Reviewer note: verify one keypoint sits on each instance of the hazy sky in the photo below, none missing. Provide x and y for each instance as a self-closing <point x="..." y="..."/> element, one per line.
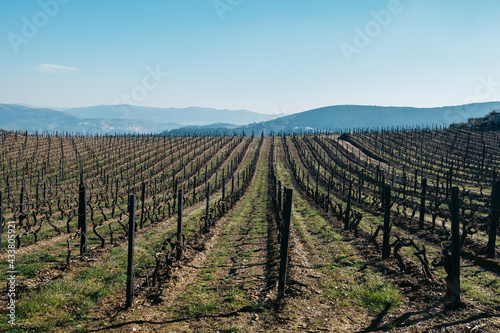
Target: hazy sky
<point x="266" y="56"/>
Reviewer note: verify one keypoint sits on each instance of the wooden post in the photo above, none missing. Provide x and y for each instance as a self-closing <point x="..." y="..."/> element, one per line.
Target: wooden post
<point x="194" y="190"/>
<point x="180" y="206"/>
<point x="130" y="263"/>
<point x="381" y="187"/>
<point x="82" y="218"/>
<point x="175" y="197"/>
<point x="207" y="206"/>
<point x="143" y="199"/>
<point x="287" y="213"/>
<point x="348" y="208"/>
<point x="422" y="204"/>
<point x="317" y="186"/>
<point x="328" y="194"/>
<point x="21" y="207"/>
<point x="37" y="197"/>
<point x="386" y="250"/>
<point x="454" y="282"/>
<point x="223" y="186"/>
<point x="279" y="198"/>
<point x="232" y="184"/>
<point x="307" y="188"/>
<point x="495" y="213"/>
<point x="360" y="188"/>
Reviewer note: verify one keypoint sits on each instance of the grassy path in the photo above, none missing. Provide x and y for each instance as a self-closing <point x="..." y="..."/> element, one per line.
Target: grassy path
<point x="420" y="306"/>
<point x="220" y="287"/>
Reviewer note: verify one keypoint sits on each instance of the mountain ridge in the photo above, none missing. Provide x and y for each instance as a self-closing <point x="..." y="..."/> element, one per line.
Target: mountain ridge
<point x="133" y="119"/>
<point x="341" y="117"/>
<point x="190" y="116"/>
<point x="118" y="118"/>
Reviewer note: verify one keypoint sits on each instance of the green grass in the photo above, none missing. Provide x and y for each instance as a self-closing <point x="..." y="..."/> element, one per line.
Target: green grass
<point x="64" y="301"/>
<point x="343" y="281"/>
<point x="366" y="290"/>
<point x="205" y="295"/>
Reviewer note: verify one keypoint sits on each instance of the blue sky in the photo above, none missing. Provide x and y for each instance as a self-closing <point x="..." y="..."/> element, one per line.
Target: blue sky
<point x="266" y="56"/>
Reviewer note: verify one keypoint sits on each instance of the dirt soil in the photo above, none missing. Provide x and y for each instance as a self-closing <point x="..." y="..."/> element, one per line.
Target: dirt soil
<point x="227" y="282"/>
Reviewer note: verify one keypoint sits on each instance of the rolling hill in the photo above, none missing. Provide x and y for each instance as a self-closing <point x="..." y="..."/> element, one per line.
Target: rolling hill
<point x="192" y="116"/>
<point x="359" y="116"/>
<point x="18" y="117"/>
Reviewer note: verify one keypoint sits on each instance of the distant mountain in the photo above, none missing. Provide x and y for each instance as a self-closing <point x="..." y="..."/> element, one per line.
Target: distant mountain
<point x="186" y="116"/>
<point x="134" y="119"/>
<point x="42" y="107"/>
<point x="358" y="116"/>
<point x="18" y="117"/>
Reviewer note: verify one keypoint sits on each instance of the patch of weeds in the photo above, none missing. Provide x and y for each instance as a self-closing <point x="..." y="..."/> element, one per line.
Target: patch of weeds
<point x="199" y="306"/>
<point x="375" y="294"/>
<point x="236" y="298"/>
<point x="478" y="288"/>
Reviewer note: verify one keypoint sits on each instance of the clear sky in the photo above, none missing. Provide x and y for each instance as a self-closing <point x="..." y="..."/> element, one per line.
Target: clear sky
<point x="265" y="56"/>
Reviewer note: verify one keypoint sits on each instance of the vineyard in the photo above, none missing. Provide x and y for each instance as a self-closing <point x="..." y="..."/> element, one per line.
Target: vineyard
<point x="363" y="231"/>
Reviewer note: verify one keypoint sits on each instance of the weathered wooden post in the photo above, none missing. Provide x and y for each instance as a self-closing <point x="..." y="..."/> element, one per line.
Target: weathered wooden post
<point x="175" y="197"/>
<point x="223" y="186"/>
<point x="232" y="184"/>
<point x="207" y="206"/>
<point x="495" y="214"/>
<point x="37" y="197"/>
<point x="348" y="208"/>
<point x="307" y="188"/>
<point x="143" y="199"/>
<point x="360" y="186"/>
<point x="194" y="190"/>
<point x="287" y="213"/>
<point x="180" y="206"/>
<point x="386" y="249"/>
<point x="422" y="204"/>
<point x="279" y="198"/>
<point x="317" y="186"/>
<point x="131" y="237"/>
<point x="454" y="282"/>
<point x="328" y="194"/>
<point x="21" y="207"/>
<point x="381" y="187"/>
<point x="82" y="217"/>
<point x="449" y="176"/>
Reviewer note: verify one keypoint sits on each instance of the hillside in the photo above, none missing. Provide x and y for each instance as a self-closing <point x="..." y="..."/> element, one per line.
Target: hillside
<point x="18" y="117"/>
<point x="358" y="116"/>
<point x="244" y="209"/>
<point x="122" y="118"/>
<point x="183" y="116"/>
